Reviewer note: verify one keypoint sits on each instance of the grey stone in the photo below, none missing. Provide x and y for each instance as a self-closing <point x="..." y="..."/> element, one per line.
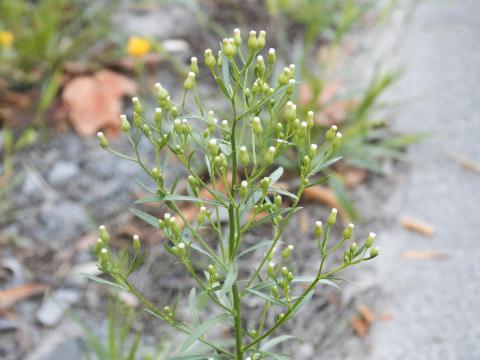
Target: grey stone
<point x="62" y="173"/>
<point x="67" y="349"/>
<point x="60" y="222"/>
<point x="53" y="308"/>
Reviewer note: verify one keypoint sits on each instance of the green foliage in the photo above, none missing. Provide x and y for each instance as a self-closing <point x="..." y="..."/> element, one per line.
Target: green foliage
<point x="239" y="152"/>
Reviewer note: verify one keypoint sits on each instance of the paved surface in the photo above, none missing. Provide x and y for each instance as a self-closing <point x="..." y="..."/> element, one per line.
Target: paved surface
<point x="435" y="304"/>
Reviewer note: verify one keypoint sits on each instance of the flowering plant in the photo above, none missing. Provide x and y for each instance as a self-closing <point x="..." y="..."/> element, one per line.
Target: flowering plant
<point x="238" y="152"/>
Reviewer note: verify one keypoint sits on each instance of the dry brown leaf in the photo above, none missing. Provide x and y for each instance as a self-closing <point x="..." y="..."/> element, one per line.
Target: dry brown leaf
<point x="417" y="226"/>
<point x="95" y="102"/>
<point x="10" y="297"/>
<point x="353" y="177"/>
<point x="467" y="163"/>
<point x="360" y="326"/>
<point x="424" y="255"/>
<point x="366" y="314"/>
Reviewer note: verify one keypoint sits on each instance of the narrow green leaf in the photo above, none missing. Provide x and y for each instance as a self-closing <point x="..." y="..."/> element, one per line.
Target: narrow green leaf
<point x="152" y="220"/>
<point x="99" y="280"/>
<point x="197" y="357"/>
<point x="226" y="74"/>
<point x="277" y="340"/>
<point x="255" y="247"/>
<point x="277" y="174"/>
<point x="202" y="329"/>
<point x="322" y="165"/>
<point x="266" y="297"/>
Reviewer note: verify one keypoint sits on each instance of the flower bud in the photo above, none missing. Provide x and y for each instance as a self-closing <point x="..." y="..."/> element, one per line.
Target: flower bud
<point x="312" y="151"/>
<point x="103" y="257"/>
<point x="243" y="189"/>
<point x="256" y="125"/>
<point x="278" y="200"/>
<point x="194" y="65"/>
<point x="310" y="119"/>
<point x="353" y="249"/>
<point x="190" y="81"/>
<point x="330" y="134"/>
<point x="290" y="111"/>
<point x="102" y="140"/>
<point x="374" y="252"/>
<point x="137" y="107"/>
<point x="272" y="57"/>
<point x="332" y="217"/>
<point x="146" y="130"/>
<point x="284" y="271"/>
<point x="306" y="161"/>
<point x="287" y="252"/>
<point x="264" y="184"/>
<point x="213" y="147"/>
<point x="156" y="175"/>
<point x="275" y="292"/>
<point x="202" y="214"/>
<point x="260" y="67"/>
<point x="219" y="58"/>
<point x="370" y="240"/>
<point x="177" y="126"/>
<point x="137" y="120"/>
<point x="281" y="316"/>
<point x="347" y="233"/>
<point x="318" y="229"/>
<point x="271" y="267"/>
<point x="270" y="155"/>
<point x="252" y="40"/>
<point x="261" y="40"/>
<point x="161" y="92"/>
<point x="229" y="48"/>
<point x="336" y="142"/>
<point x="244" y="157"/>
<point x="209" y="59"/>
<point x="285" y="76"/>
<point x="158" y="117"/>
<point x="136" y="243"/>
<point x="98" y="246"/>
<point x="291" y="87"/>
<point x="237" y="37"/>
<point x="181" y="250"/>
<point x="125" y="125"/>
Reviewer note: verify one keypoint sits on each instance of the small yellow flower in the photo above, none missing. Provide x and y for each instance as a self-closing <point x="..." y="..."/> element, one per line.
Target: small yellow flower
<point x="138" y="46"/>
<point x="6" y="39"/>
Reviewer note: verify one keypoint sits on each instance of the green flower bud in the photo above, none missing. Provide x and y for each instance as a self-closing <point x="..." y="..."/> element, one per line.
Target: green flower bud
<point x="137" y="107"/>
<point x="209" y="59"/>
<point x="261" y="40"/>
<point x="252" y="40"/>
<point x="312" y="151"/>
<point x="264" y="184"/>
<point x="124" y="124"/>
<point x="244" y="189"/>
<point x="219" y="58"/>
<point x="136" y="244"/>
<point x="285" y="76"/>
<point x="202" y="215"/>
<point x="330" y="134"/>
<point x="102" y="140"/>
<point x="284" y="271"/>
<point x="213" y="147"/>
<point x="306" y="161"/>
<point x="255" y="88"/>
<point x="353" y="249"/>
<point x="244" y="157"/>
<point x="290" y="276"/>
<point x="287" y="252"/>
<point x="275" y="292"/>
<point x="271" y="268"/>
<point x="237" y="37"/>
<point x="348" y="232"/>
<point x="291" y="87"/>
<point x="374" y="252"/>
<point x="158" y="117"/>
<point x="346" y="257"/>
<point x="229" y="48"/>
<point x="278" y="200"/>
<point x="332" y="217"/>
<point x="256" y="125"/>
<point x="336" y="142"/>
<point x="270" y="155"/>
<point x="190" y="81"/>
<point x="370" y="240"/>
<point x="290" y="111"/>
<point x="310" y="119"/>
<point x="272" y="57"/>
<point x="186" y="129"/>
<point x="103" y="257"/>
<point x="260" y="67"/>
<point x="146" y="130"/>
<point x="303" y="129"/>
<point x="161" y="92"/>
<point x="157" y="175"/>
<point x="277" y="219"/>
<point x="318" y="229"/>
<point x="98" y="246"/>
<point x="281" y="316"/>
<point x="194" y="65"/>
<point x="177" y="126"/>
<point x="137" y="120"/>
<point x="265" y="87"/>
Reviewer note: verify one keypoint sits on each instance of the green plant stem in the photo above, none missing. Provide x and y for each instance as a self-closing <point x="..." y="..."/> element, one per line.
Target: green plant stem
<point x="237" y="322"/>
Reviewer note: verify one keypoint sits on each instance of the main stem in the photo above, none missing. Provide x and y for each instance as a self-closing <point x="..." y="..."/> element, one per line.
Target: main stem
<point x="233" y="240"/>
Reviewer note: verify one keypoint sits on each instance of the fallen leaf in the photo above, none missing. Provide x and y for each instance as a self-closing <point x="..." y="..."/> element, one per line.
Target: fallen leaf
<point x="321" y="194"/>
<point x="353" y="177"/>
<point x="366" y="313"/>
<point x="417" y="226"/>
<point x="12" y="296"/>
<point x="95" y="102"/>
<point x="360" y="326"/>
<point x="424" y="255"/>
<point x="467" y="163"/>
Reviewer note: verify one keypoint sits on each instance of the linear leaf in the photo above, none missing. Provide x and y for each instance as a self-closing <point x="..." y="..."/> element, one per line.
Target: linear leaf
<point x="276" y="340"/>
<point x="202" y="329"/>
<point x="322" y="165"/>
<point x="149" y="219"/>
<point x="266" y="297"/>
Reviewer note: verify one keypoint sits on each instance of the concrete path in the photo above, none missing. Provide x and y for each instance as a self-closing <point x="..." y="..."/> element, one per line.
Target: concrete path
<point x="435" y="303"/>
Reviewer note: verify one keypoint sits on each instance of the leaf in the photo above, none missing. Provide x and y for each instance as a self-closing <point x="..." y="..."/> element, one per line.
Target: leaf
<point x="282" y="192"/>
<point x="323" y="165"/>
<point x="152" y="220"/>
<point x="202" y="329"/>
<point x="10" y="297"/>
<point x="306" y="299"/>
<point x="214" y="259"/>
<point x="417" y="226"/>
<point x="318" y="181"/>
<point x="266" y="297"/>
<point x="99" y="280"/>
<point x="174" y="197"/>
<point x="276" y="340"/>
<point x="95" y="102"/>
<point x="226" y="74"/>
<point x="197" y="357"/>
<point x="192" y="305"/>
<point x="277" y="174"/>
<point x="255" y="247"/>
